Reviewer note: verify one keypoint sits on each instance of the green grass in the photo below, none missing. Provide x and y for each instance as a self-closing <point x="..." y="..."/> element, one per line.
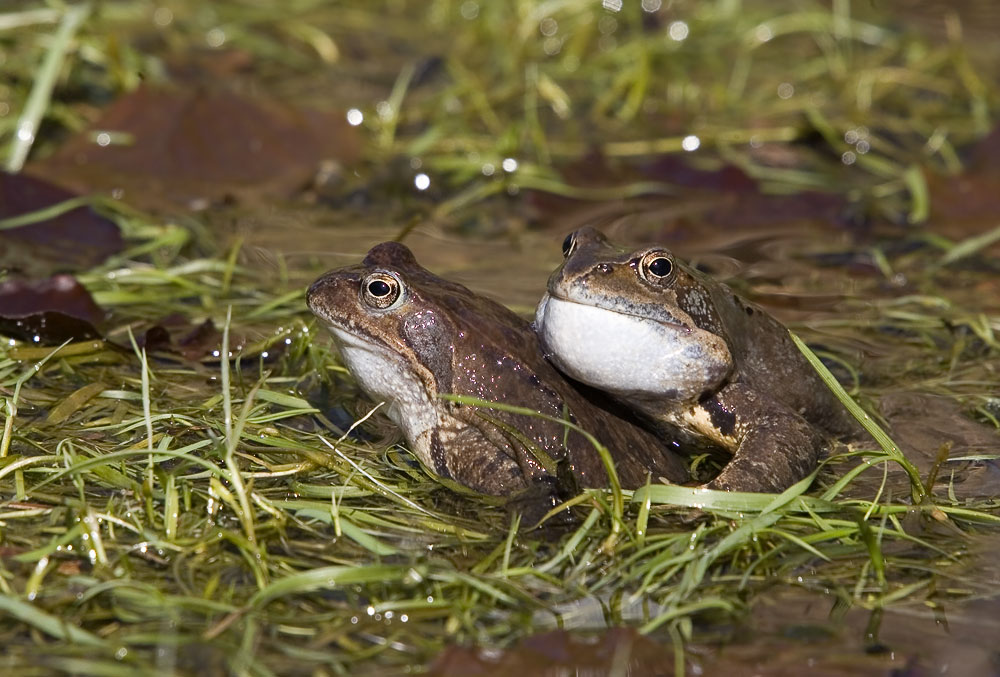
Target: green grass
<point x="195" y="504"/>
<point x="207" y="516"/>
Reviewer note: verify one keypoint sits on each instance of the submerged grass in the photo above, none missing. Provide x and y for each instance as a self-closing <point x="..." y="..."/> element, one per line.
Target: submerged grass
<point x="207" y="516"/>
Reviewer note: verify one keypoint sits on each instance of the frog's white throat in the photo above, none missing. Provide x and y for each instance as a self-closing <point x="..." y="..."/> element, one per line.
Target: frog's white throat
<point x="625" y="354"/>
<point x="386" y="376"/>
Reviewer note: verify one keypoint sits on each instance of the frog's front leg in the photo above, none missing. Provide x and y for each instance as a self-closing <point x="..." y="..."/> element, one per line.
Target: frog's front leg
<point x="773" y="446"/>
<point x="464" y="454"/>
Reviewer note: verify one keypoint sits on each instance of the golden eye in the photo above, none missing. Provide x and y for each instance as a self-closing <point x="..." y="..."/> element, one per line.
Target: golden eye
<point x="569" y="244"/>
<point x="381" y="290"/>
<point x="656" y="266"/>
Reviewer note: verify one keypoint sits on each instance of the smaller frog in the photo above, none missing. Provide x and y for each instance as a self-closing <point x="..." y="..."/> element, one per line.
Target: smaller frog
<point x="409" y="336"/>
<point x="684" y="351"/>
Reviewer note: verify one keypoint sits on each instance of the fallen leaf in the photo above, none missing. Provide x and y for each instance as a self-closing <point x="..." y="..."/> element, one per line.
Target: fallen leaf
<point x="699" y="201"/>
<point x="76" y="239"/>
<point x="158" y="148"/>
<point x="49" y="311"/>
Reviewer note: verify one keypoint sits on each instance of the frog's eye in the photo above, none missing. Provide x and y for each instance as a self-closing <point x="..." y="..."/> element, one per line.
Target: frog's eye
<point x="568" y="245"/>
<point x="381" y="290"/>
<point x="656" y="266"/>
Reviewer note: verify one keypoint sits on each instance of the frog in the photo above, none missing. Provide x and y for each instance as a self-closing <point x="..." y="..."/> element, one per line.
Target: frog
<point x="418" y="343"/>
<point x="694" y="359"/>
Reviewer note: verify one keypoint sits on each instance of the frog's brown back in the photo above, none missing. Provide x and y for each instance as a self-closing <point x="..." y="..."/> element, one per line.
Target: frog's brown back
<point x="497" y="357"/>
<point x="767" y="360"/>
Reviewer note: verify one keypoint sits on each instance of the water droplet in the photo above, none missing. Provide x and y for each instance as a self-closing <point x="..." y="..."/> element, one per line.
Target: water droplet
<point x="162" y="17"/>
<point x="678" y="30"/>
<point x="469" y="10"/>
<point x="690" y="143"/>
<point x="215" y="37"/>
<point x="26" y="131"/>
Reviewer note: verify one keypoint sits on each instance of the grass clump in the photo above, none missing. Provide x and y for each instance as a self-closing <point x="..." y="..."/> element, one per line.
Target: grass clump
<point x="205" y="515"/>
<point x="172" y="515"/>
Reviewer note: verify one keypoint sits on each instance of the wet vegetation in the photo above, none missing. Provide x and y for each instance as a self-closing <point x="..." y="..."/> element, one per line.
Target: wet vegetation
<point x="163" y="508"/>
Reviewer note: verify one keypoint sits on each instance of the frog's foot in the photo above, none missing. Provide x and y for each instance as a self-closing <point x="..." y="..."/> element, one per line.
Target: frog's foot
<point x="779" y="449"/>
<point x="464" y="454"/>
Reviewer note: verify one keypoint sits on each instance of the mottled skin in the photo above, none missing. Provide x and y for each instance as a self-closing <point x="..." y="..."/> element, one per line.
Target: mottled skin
<point x="738" y="382"/>
<point x="408" y="336"/>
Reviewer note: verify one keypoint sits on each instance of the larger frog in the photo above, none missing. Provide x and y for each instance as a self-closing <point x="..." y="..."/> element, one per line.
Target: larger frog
<point x="409" y="336"/>
<point x="686" y="352"/>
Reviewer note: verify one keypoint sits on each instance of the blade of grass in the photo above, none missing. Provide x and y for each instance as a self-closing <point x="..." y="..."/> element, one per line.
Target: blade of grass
<point x="46" y="213"/>
<point x="44" y="82"/>
<point x="53" y="626"/>
<point x="869" y="424"/>
<point x="970" y="246"/>
<point x="329" y="578"/>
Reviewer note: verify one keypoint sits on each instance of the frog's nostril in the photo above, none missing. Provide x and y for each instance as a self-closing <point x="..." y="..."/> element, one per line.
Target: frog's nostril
<point x="604" y="268"/>
<point x="314" y="289"/>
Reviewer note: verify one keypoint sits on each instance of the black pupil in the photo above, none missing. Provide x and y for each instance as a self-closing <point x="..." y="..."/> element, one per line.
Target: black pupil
<point x="379" y="288"/>
<point x="660" y="267"/>
<point x="567" y="244"/>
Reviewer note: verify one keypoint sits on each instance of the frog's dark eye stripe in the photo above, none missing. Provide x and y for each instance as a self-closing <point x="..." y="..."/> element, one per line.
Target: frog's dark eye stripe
<point x="569" y="244"/>
<point x="381" y="290"/>
<point x="656" y="266"/>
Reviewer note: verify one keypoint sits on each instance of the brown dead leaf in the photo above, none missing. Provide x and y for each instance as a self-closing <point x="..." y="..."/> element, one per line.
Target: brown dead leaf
<point x="168" y="147"/>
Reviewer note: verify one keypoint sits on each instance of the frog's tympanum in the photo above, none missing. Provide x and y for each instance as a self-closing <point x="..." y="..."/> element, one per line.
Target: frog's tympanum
<point x="686" y="352"/>
<point x="409" y="336"/>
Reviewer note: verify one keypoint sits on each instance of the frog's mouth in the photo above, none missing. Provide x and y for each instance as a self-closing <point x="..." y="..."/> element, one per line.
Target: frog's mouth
<point x="620" y="308"/>
<point x="386" y="375"/>
<point x="350" y="337"/>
